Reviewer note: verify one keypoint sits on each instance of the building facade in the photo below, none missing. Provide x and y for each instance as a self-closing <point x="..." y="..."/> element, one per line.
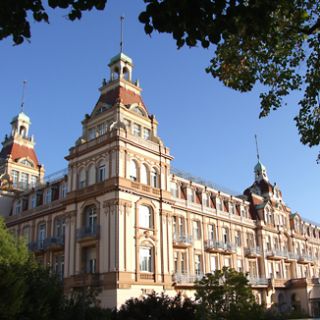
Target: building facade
<point x="122" y="220"/>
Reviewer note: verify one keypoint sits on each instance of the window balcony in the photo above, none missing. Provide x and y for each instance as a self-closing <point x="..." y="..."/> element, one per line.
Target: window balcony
<point x="276" y="254"/>
<point x="182" y="240"/>
<point x="304" y="258"/>
<point x="220" y="246"/>
<point x="54" y="243"/>
<point x="36" y="246"/>
<point x="187" y="278"/>
<point x="252" y="252"/>
<point x="292" y="256"/>
<point x="86" y="280"/>
<point x="258" y="282"/>
<point x="88" y="233"/>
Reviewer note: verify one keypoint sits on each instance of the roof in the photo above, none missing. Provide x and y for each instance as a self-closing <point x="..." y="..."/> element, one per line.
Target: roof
<point x="120" y="56"/>
<point x="123" y="95"/>
<point x="18" y="151"/>
<point x="21" y="116"/>
<point x="259" y="167"/>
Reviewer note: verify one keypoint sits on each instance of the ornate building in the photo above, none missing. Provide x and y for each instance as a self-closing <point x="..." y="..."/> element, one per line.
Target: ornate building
<point x="121" y="219"/>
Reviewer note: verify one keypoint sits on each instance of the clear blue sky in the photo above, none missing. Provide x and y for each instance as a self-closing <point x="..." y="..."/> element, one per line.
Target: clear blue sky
<point x="210" y="129"/>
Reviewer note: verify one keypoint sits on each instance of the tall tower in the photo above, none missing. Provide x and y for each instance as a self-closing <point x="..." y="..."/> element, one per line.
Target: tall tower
<point x="19" y="165"/>
<point x="119" y="196"/>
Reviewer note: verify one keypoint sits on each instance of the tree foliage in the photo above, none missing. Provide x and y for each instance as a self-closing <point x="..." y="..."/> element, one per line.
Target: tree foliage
<point x="157" y="307"/>
<point x="14" y="14"/>
<point x="226" y="294"/>
<point x="275" y="43"/>
<point x="12" y="249"/>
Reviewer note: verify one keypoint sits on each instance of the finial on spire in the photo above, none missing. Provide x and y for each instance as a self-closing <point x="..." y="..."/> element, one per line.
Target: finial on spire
<point x="24" y="82"/>
<point x="258" y="155"/>
<point x="121" y="33"/>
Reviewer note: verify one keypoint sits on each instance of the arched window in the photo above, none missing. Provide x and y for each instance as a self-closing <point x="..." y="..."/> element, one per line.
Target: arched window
<point x="146" y="259"/>
<point x="23" y="131"/>
<point x="145" y="217"/>
<point x="82" y="178"/>
<point x="91" y="175"/>
<point x="144" y="174"/>
<point x="154" y="178"/>
<point x="126" y="74"/>
<point x="133" y="170"/>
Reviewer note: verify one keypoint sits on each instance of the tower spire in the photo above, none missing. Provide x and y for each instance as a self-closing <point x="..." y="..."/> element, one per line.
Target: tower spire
<point x="24" y="82"/>
<point x="121" y="33"/>
<point x="257" y="148"/>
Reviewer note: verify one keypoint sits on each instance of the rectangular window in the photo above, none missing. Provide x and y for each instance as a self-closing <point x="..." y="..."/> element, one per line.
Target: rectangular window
<point x="91" y="134"/>
<point x="146" y="259"/>
<point x="213" y="264"/>
<point x="15" y="178"/>
<point x="181" y="227"/>
<point x="183" y="262"/>
<point x="219" y="204"/>
<point x="231" y="208"/>
<point x="145" y="218"/>
<point x="92" y="265"/>
<point x="225" y="235"/>
<point x="146" y="134"/>
<point x="63" y="190"/>
<point x="175" y="261"/>
<point x="18" y="207"/>
<point x="24" y="177"/>
<point x="205" y="200"/>
<point x="197" y="230"/>
<point x="253" y="269"/>
<point x="238" y="238"/>
<point x="211" y="233"/>
<point x="136" y="130"/>
<point x="227" y="262"/>
<point x="197" y="264"/>
<point x="41" y="235"/>
<point x="33" y="181"/>
<point x="174" y="190"/>
<point x="33" y="201"/>
<point x="48" y="196"/>
<point x="101" y="129"/>
<point x="190" y="195"/>
<point x="239" y="265"/>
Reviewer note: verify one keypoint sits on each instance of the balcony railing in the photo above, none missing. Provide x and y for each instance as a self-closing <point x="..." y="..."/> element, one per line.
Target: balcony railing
<point x="276" y="253"/>
<point x="54" y="242"/>
<point x="305" y="258"/>
<point x="252" y="252"/>
<point x="185" y="239"/>
<point x="256" y="281"/>
<point x="36" y="245"/>
<point x="187" y="277"/>
<point x="88" y="232"/>
<point x="219" y="245"/>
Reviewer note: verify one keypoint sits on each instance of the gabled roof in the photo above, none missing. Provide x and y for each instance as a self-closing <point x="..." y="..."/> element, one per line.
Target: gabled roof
<point x="18" y="151"/>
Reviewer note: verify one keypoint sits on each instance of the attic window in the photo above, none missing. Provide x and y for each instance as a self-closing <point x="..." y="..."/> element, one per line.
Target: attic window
<point x="139" y="111"/>
<point x="27" y="163"/>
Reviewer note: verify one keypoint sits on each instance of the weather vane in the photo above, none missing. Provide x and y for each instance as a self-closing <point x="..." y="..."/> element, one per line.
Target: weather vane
<point x="256" y="138"/>
<point x="24" y="82"/>
<point x="121" y="33"/>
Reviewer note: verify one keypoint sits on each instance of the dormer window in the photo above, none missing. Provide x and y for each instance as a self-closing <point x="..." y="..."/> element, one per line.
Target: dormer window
<point x="139" y="111"/>
<point x="27" y="163"/>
